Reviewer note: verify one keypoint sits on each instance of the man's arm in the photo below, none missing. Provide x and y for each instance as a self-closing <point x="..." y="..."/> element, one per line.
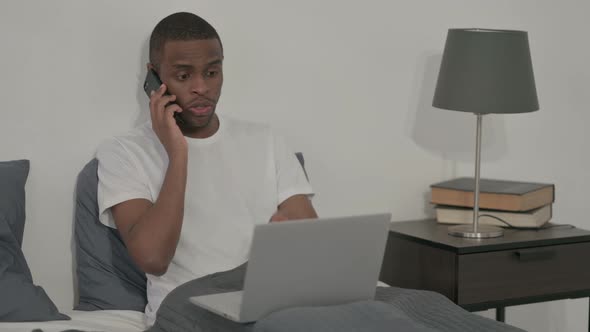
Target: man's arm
<point x="151" y="231"/>
<point x="295" y="207"/>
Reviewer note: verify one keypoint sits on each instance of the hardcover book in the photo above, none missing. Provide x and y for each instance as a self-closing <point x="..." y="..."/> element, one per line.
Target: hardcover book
<point x="494" y="194"/>
<point x="528" y="219"/>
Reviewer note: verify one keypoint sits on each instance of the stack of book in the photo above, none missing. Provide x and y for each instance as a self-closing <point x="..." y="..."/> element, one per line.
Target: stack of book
<point x="501" y="203"/>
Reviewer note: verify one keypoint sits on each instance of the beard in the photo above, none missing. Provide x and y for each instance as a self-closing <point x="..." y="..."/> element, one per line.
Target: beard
<point x="196" y="124"/>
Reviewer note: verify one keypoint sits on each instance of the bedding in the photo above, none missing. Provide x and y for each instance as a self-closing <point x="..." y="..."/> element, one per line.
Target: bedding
<point x="94" y="321"/>
<point x="13" y="177"/>
<point x="108" y="279"/>
<point x="20" y="299"/>
<point x="101" y="252"/>
<point x="394" y="309"/>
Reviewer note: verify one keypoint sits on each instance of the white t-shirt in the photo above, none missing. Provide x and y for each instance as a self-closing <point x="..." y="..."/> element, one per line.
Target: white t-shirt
<point x="236" y="179"/>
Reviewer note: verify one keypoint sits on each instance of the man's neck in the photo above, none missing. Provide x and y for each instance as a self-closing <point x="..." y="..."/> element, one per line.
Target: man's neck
<point x="203" y="132"/>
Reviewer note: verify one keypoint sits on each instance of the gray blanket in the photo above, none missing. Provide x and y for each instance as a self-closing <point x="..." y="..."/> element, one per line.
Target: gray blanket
<point x="394" y="309"/>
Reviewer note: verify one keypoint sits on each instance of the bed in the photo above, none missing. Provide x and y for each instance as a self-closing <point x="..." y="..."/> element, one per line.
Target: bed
<point x="111" y="289"/>
<point x="394" y="309"/>
<point x="102" y="320"/>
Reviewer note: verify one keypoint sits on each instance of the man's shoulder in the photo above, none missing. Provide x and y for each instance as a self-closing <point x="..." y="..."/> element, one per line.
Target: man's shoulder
<point x="137" y="139"/>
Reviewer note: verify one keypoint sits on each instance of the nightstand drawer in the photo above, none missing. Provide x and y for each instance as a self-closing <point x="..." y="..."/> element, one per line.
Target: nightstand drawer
<point x="520" y="273"/>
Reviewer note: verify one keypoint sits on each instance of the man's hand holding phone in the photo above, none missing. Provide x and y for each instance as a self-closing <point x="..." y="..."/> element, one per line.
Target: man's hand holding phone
<point x="162" y="109"/>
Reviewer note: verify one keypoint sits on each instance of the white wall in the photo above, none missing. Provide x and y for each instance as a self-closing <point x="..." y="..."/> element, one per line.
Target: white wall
<point x="349" y="83"/>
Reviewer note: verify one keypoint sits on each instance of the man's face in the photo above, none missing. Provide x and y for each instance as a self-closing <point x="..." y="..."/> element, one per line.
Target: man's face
<point x="192" y="70"/>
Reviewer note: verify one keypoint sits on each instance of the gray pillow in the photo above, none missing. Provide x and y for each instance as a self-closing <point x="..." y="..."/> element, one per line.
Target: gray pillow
<point x="301" y="160"/>
<point x="108" y="279"/>
<point x="13" y="176"/>
<point x="21" y="300"/>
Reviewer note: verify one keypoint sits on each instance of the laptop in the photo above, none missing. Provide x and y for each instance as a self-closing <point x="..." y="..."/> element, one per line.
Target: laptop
<point x="311" y="262"/>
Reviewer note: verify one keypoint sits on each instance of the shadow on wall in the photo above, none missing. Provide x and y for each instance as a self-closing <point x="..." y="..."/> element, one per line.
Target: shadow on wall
<point x="142" y="99"/>
<point x="450" y="134"/>
<point x="74" y="251"/>
<point x="428" y="207"/>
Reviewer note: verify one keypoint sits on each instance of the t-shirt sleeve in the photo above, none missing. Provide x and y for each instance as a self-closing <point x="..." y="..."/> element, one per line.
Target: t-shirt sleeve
<point x="291" y="178"/>
<point x="119" y="179"/>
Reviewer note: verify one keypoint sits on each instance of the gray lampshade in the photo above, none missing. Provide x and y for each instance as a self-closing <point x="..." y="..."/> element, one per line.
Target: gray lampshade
<point x="486" y="71"/>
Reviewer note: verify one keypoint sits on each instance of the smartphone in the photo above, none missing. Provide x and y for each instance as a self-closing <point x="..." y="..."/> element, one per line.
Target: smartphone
<point x="153" y="83"/>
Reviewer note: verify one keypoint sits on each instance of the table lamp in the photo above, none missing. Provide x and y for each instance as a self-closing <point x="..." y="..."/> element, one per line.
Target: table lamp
<point x="485" y="71"/>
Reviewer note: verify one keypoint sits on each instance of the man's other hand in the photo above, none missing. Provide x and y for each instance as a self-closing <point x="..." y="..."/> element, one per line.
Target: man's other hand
<point x="278" y="217"/>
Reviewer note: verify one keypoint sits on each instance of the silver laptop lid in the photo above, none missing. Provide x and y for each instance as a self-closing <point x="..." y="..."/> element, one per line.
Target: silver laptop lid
<point x="313" y="262"/>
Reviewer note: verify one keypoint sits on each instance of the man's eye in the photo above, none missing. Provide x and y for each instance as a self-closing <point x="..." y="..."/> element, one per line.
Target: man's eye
<point x="183" y="76"/>
<point x="212" y="73"/>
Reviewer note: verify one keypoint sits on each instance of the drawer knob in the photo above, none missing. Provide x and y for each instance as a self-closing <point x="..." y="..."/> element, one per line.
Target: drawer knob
<point x="534" y="254"/>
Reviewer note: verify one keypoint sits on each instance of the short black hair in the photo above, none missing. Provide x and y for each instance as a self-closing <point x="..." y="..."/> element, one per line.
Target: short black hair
<point x="179" y="26"/>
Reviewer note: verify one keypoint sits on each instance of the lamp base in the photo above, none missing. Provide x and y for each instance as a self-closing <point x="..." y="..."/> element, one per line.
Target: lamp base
<point x="483" y="232"/>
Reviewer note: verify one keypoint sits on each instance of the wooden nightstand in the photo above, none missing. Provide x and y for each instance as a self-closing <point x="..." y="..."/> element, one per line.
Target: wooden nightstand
<point x="523" y="266"/>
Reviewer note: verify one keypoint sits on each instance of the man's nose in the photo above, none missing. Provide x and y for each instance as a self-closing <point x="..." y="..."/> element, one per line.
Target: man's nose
<point x="199" y="85"/>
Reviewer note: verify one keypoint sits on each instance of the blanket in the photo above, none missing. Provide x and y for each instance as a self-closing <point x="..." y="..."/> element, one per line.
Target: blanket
<point x="393" y="309"/>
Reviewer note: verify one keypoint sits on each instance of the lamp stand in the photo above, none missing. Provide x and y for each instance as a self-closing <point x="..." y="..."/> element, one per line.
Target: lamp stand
<point x="475" y="231"/>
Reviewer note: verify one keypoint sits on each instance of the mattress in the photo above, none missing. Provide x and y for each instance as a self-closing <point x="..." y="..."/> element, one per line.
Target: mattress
<point x="94" y="321"/>
<point x="104" y="320"/>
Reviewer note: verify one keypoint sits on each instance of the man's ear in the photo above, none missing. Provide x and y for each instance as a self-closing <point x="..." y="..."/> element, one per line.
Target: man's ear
<point x="151" y="66"/>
